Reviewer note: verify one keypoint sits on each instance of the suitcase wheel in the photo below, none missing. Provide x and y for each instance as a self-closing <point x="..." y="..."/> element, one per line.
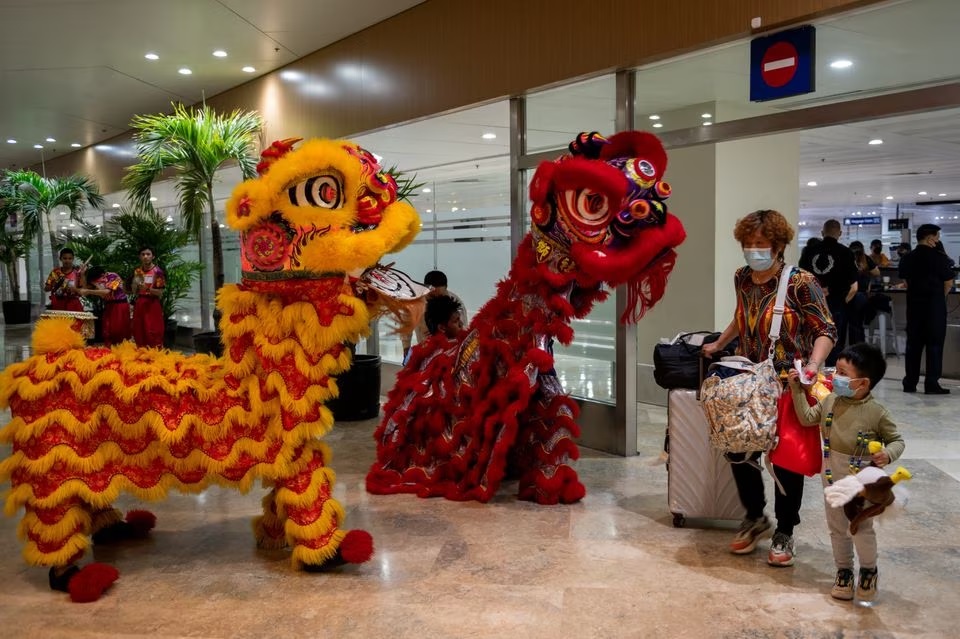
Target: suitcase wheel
<point x="679" y="520"/>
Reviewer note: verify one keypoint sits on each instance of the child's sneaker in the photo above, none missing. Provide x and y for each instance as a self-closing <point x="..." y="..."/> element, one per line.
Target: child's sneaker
<point x="843" y="586"/>
<point x="748" y="535"/>
<point x="867" y="588"/>
<point x="781" y="550"/>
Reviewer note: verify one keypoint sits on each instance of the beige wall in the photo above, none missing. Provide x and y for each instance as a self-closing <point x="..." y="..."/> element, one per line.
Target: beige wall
<point x="446" y="54"/>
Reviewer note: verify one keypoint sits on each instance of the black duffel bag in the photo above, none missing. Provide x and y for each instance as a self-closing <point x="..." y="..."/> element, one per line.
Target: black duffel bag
<point x="677" y="365"/>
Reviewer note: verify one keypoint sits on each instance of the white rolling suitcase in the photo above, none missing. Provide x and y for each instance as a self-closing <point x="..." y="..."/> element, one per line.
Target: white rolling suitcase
<point x="699" y="480"/>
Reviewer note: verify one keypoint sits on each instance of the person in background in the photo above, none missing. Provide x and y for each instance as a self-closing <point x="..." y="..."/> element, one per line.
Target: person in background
<point x="929" y="279"/>
<point x="833" y="265"/>
<point x="903" y="249"/>
<point x="877" y="255"/>
<point x="809" y="247"/>
<point x="148" y="285"/>
<point x="442" y="317"/>
<point x="437" y="282"/>
<point x="943" y="250"/>
<point x="807" y="334"/>
<point x="867" y="270"/>
<point x="116" y="309"/>
<point x="63" y="284"/>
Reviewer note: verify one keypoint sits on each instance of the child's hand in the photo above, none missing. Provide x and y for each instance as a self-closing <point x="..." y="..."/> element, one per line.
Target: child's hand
<point x="880" y="459"/>
<point x="794" y="378"/>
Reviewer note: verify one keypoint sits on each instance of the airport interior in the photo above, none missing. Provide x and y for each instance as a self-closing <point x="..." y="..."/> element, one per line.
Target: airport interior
<point x="467" y="100"/>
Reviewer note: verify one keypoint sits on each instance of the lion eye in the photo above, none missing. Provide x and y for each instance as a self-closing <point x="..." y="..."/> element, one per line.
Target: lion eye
<point x="322" y="191"/>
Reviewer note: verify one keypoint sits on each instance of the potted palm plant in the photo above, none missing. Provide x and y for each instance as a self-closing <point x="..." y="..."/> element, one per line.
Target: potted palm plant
<point x="194" y="143"/>
<point x="36" y="197"/>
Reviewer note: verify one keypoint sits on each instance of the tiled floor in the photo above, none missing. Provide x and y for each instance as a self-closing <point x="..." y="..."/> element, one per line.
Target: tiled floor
<point x="611" y="566"/>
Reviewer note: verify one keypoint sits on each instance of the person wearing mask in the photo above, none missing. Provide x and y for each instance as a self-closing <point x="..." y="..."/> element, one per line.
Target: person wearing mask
<point x="929" y="279"/>
<point x="902" y="250"/>
<point x="867" y="270"/>
<point x="833" y="265"/>
<point x="807" y="334"/>
<point x="877" y="255"/>
<point x="63" y="284"/>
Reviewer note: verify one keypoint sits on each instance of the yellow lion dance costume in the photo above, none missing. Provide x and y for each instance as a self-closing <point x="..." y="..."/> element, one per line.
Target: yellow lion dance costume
<point x="90" y="423"/>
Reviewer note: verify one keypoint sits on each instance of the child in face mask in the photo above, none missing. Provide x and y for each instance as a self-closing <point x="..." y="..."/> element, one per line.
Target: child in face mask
<point x="850" y="418"/>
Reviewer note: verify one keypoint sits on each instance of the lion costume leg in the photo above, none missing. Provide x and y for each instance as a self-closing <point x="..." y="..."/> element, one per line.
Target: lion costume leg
<point x="313" y="516"/>
<point x="545" y="448"/>
<point x="268" y="528"/>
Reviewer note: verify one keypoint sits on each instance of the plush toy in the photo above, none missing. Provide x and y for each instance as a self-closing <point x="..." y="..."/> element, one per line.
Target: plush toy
<point x="866" y="494"/>
<point x="90" y="423"/>
<point x="463" y="416"/>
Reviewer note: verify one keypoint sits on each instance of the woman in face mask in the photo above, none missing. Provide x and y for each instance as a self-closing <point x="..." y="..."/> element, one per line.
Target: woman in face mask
<point x="807" y="333"/>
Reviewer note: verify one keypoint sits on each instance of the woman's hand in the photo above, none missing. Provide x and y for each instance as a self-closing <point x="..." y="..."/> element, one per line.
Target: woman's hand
<point x="711" y="349"/>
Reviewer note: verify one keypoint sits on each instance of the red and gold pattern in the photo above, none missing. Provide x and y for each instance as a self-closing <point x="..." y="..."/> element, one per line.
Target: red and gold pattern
<point x="464" y="414"/>
<point x="91" y="423"/>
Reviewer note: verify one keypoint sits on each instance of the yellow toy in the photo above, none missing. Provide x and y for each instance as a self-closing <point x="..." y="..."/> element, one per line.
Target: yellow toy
<point x="90" y="423"/>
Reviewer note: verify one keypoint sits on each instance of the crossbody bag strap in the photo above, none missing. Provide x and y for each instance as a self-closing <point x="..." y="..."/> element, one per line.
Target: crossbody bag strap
<point x="779" y="306"/>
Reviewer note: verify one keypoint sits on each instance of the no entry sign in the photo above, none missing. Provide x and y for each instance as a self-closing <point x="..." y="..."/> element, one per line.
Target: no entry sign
<point x="783" y="64"/>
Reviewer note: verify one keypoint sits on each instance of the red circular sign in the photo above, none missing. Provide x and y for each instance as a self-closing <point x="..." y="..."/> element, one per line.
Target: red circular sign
<point x="779" y="64"/>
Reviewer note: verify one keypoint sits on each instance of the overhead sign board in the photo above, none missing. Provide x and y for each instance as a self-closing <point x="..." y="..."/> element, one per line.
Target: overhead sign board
<point x="862" y="221"/>
<point x="898" y="224"/>
<point x="783" y="64"/>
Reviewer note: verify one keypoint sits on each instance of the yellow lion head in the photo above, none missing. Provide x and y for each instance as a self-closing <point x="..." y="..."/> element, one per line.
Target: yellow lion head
<point x="324" y="208"/>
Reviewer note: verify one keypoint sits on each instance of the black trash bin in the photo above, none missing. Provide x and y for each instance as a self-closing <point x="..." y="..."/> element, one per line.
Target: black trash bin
<point x="359" y="390"/>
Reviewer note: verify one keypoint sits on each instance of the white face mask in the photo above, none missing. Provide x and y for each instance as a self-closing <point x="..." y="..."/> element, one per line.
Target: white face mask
<point x="758" y="259"/>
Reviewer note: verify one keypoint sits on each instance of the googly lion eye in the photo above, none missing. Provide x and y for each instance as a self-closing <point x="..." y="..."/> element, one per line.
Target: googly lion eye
<point x="644" y="167"/>
<point x="321" y="191"/>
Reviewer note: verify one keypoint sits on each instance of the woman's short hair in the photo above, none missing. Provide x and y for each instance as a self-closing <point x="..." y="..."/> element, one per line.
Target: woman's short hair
<point x="771" y="224"/>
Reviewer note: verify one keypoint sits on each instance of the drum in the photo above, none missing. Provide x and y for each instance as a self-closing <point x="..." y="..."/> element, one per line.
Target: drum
<point x="83" y="322"/>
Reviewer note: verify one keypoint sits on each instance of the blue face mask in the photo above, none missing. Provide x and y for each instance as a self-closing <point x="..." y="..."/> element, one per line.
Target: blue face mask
<point x="758" y="259"/>
<point x="841" y="386"/>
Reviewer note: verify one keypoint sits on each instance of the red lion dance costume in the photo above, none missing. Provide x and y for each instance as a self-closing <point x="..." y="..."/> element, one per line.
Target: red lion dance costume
<point x="463" y="416"/>
<point x="90" y="423"/>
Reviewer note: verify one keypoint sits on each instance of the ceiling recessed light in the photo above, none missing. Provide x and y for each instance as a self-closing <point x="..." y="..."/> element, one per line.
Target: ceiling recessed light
<point x="219" y="53"/>
<point x="941" y="195"/>
<point x="654" y="117"/>
<point x="184" y="71"/>
<point x="11" y="141"/>
<point x="76" y="145"/>
<point x="248" y="70"/>
<point x="489" y="136"/>
<point x="50" y="140"/>
<point x="429" y="210"/>
<point x="426" y="189"/>
<point x="152" y="56"/>
<point x="291" y="75"/>
<point x="875" y="141"/>
<point x="38" y="146"/>
<point x="921" y="192"/>
<point x="153" y="199"/>
<point x="116" y="205"/>
<point x="889" y="197"/>
<point x="841" y="64"/>
<point x="657" y="125"/>
<point x="706" y="116"/>
<point x="708" y="124"/>
<point x="811" y="183"/>
<point x="454" y="209"/>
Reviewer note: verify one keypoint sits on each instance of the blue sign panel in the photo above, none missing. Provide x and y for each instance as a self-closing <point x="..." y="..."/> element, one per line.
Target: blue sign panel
<point x="861" y="221"/>
<point x="783" y="64"/>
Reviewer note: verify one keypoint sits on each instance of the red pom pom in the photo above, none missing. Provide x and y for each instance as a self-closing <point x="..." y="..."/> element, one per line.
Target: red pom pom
<point x="356" y="547"/>
<point x="141" y="522"/>
<point x="91" y="582"/>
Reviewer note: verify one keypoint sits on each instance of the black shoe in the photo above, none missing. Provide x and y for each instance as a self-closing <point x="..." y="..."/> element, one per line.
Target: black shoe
<point x="909" y="389"/>
<point x="937" y="390"/>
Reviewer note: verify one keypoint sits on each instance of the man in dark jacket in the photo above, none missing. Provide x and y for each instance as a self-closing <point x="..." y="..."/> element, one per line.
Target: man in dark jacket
<point x="929" y="279"/>
<point x="833" y="265"/>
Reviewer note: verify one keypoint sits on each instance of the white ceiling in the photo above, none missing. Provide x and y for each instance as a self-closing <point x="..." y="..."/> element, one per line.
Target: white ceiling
<point x="74" y="70"/>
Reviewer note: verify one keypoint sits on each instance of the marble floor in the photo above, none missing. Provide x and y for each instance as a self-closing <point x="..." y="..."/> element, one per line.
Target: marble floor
<point x="610" y="566"/>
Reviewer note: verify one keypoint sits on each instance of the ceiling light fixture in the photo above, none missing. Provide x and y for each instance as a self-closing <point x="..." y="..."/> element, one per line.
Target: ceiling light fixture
<point x="489" y="136"/>
<point x="153" y="199"/>
<point x="657" y="125"/>
<point x="11" y="141"/>
<point x="152" y="56"/>
<point x="184" y="71"/>
<point x="219" y="53"/>
<point x="116" y="205"/>
<point x="889" y="197"/>
<point x="921" y="192"/>
<point x="875" y="142"/>
<point x="50" y="140"/>
<point x="708" y="124"/>
<point x="248" y="70"/>
<point x="841" y="64"/>
<point x="38" y="146"/>
<point x="941" y="195"/>
<point x="706" y="116"/>
<point x="426" y="189"/>
<point x="429" y="210"/>
<point x="76" y="145"/>
<point x="454" y="209"/>
<point x="811" y="183"/>
<point x="654" y="117"/>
